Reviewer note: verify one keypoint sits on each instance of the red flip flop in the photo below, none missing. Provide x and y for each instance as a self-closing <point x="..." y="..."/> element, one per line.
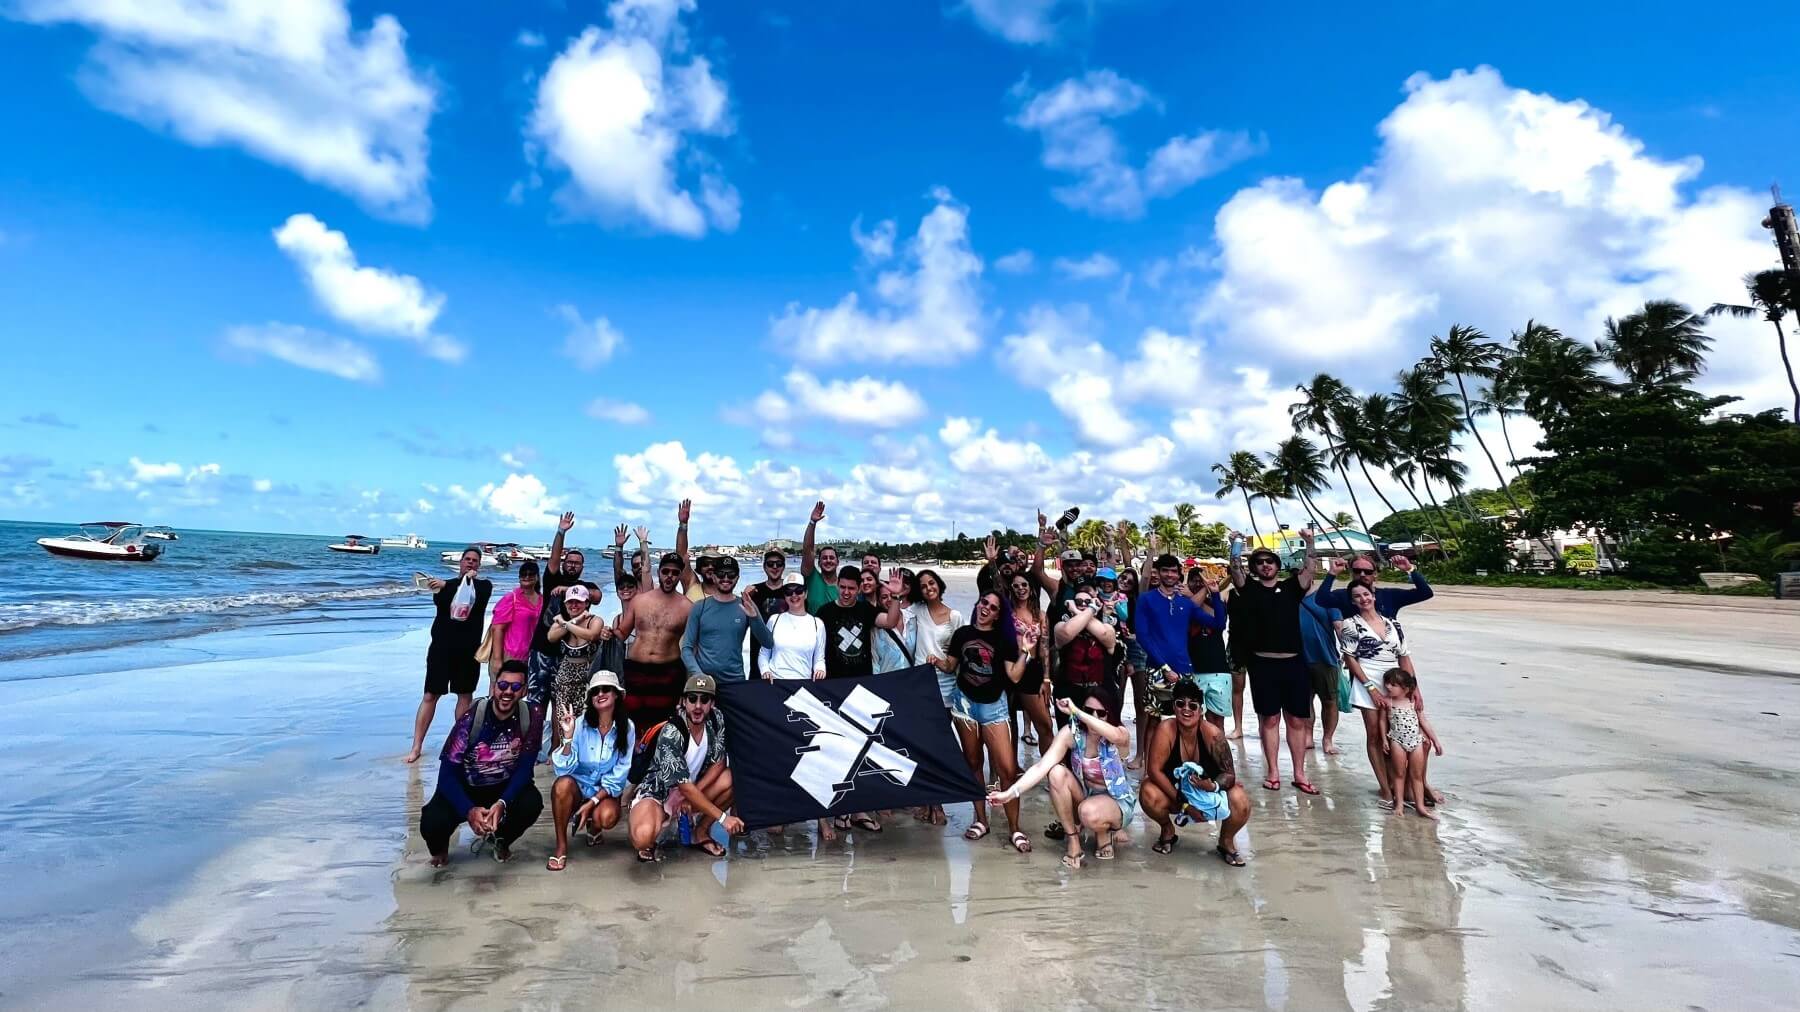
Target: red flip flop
<point x="1304" y="788"/>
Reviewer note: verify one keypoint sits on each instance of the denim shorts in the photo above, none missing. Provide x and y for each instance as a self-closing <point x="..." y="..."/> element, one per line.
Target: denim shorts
<point x="969" y="711"/>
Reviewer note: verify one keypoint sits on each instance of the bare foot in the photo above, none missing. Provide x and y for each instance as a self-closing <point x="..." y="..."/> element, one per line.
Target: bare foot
<point x="1429" y="814"/>
<point x="1436" y="796"/>
<point x="439" y="860"/>
<point x="1332" y="749"/>
<point x="825" y="831"/>
<point x="938" y="818"/>
<point x="413" y="756"/>
<point x="1237" y="733"/>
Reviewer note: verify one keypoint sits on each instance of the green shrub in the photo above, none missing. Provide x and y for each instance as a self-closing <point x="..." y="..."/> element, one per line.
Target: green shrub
<point x="1661" y="556"/>
<point x="1484" y="545"/>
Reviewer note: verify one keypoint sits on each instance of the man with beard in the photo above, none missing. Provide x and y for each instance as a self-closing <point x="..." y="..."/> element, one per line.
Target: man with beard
<point x="821" y="568"/>
<point x="658" y="616"/>
<point x="1281" y="688"/>
<point x="1388" y="600"/>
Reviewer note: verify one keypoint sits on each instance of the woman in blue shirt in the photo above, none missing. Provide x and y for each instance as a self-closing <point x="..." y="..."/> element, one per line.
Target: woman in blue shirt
<point x="591" y="765"/>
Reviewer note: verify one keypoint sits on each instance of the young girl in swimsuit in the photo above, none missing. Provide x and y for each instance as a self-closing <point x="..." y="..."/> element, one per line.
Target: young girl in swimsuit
<point x="1407" y="732"/>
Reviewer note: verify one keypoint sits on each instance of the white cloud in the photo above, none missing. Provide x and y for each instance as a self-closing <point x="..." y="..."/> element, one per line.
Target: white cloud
<point x="928" y="310"/>
<point x="528" y="39"/>
<point x="423" y="506"/>
<point x="1487" y="205"/>
<point x="372" y="300"/>
<point x="262" y="485"/>
<point x="1022" y="21"/>
<point x="876" y="245"/>
<point x="519" y="501"/>
<point x="147" y="471"/>
<point x="1017" y="262"/>
<point x="292" y="83"/>
<point x="620" y="109"/>
<point x="511" y="460"/>
<point x="307" y="349"/>
<point x="984" y="452"/>
<point x="664" y="474"/>
<point x="1072" y="118"/>
<point x="865" y="401"/>
<point x="621" y="412"/>
<point x="589" y="344"/>
<point x="1088" y="268"/>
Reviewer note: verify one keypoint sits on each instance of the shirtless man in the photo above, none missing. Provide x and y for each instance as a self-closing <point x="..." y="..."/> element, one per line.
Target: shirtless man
<point x="658" y="616"/>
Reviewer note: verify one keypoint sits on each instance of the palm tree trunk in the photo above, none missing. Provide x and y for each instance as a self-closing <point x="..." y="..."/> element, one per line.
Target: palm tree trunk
<point x="1518" y="511"/>
<point x="1248" y="509"/>
<point x="1781" y="342"/>
<point x="1429" y="526"/>
<point x="1512" y="456"/>
<point x="1384" y="499"/>
<point x="1316" y="515"/>
<point x="1442" y="545"/>
<point x="1380" y="559"/>
<point x="1271" y="501"/>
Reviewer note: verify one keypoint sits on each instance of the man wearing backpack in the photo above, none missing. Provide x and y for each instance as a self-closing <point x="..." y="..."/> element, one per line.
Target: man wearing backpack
<point x="484" y="774"/>
<point x="679" y="769"/>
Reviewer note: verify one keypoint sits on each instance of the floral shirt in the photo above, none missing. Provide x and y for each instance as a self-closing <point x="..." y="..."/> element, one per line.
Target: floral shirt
<point x="668" y="754"/>
<point x="1375" y="653"/>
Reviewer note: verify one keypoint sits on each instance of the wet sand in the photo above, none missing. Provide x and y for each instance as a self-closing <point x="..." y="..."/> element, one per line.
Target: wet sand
<point x="1622" y="803"/>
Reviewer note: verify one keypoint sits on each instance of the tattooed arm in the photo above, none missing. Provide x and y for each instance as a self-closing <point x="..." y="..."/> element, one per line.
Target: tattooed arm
<point x="1221" y="757"/>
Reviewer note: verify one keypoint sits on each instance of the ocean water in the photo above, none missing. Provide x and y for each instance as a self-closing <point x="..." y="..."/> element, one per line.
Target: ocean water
<point x="208" y="582"/>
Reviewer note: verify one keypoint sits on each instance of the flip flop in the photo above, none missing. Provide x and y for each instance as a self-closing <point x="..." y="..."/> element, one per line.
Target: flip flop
<point x="1055" y="831"/>
<point x="710" y="848"/>
<point x="1304" y="787"/>
<point x="1164" y="846"/>
<point x="865" y="823"/>
<point x="1073" y="862"/>
<point x="648" y="856"/>
<point x="1104" y="853"/>
<point x="1272" y="784"/>
<point x="1230" y="857"/>
<point x="556" y="862"/>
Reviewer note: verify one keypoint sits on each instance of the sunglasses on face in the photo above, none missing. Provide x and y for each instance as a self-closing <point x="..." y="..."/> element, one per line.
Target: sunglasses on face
<point x="604" y="690"/>
<point x="1083" y="602"/>
<point x="509" y="687"/>
<point x="794" y="591"/>
<point x="989" y="605"/>
<point x="772" y="564"/>
<point x="1363" y="572"/>
<point x="1095" y="711"/>
<point x="698" y="698"/>
<point x="1187" y="704"/>
<point x="669" y="572"/>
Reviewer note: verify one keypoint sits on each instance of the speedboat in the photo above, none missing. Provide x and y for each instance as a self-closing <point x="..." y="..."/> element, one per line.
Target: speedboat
<point x="356" y="544"/>
<point x="161" y="534"/>
<point x="409" y="541"/>
<point x="490" y="558"/>
<point x="107" y="539"/>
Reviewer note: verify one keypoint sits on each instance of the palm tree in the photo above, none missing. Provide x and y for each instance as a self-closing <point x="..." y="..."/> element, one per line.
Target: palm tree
<point x="1553" y="373"/>
<point x="1088" y="535"/>
<point x="1239" y="474"/>
<point x="1269" y="489"/>
<point x="1186" y="516"/>
<point x="1166" y="531"/>
<point x="1299" y="467"/>
<point x="1504" y="398"/>
<point x="1365" y="436"/>
<point x="1465" y="351"/>
<point x="1660" y="348"/>
<point x="1771" y="297"/>
<point x="1340" y="519"/>
<point x="1320" y="399"/>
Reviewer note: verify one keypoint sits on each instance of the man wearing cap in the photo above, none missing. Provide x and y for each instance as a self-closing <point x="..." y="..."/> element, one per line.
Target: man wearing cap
<point x="768" y="596"/>
<point x="682" y="771"/>
<point x="658" y="616"/>
<point x="713" y="642"/>
<point x="1267" y="609"/>
<point x="592" y="765"/>
<point x="484" y="774"/>
<point x="1388" y="600"/>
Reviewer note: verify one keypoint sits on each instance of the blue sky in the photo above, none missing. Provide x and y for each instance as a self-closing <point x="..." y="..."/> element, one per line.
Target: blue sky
<point x="306" y="267"/>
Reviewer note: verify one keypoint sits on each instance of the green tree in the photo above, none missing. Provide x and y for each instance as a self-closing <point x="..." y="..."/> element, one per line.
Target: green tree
<point x="1240" y="473"/>
<point x="1321" y="401"/>
<point x="1466" y="352"/>
<point x="1298" y="468"/>
<point x="1661" y="347"/>
<point x="1553" y="373"/>
<point x="1771" y="297"/>
<point x="1088" y="535"/>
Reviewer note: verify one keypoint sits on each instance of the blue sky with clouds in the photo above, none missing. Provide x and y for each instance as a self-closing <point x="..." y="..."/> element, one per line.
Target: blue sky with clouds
<point x="309" y="266"/>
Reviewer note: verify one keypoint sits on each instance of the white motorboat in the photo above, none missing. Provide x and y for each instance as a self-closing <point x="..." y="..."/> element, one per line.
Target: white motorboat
<point x="107" y="539"/>
<point x="408" y="541"/>
<point x="161" y="534"/>
<point x="357" y="544"/>
<point x="491" y="557"/>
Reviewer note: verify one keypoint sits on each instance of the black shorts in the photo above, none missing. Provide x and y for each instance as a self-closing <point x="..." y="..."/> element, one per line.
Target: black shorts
<point x="1281" y="685"/>
<point x="446" y="673"/>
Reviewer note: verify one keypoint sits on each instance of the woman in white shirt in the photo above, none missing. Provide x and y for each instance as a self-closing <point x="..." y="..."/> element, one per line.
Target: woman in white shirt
<point x="934" y="622"/>
<point x="1373" y="644"/>
<point x="797" y="640"/>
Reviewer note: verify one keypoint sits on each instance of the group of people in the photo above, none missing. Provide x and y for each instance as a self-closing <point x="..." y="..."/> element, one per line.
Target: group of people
<point x="635" y="734"/>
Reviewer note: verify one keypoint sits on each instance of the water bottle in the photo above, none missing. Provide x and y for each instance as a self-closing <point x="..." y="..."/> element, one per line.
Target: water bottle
<point x="686" y="828"/>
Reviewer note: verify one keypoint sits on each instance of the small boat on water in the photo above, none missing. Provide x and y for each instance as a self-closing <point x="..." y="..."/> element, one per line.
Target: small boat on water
<point x="112" y="540"/>
<point x="408" y="541"/>
<point x="356" y="544"/>
<point x="161" y="534"/>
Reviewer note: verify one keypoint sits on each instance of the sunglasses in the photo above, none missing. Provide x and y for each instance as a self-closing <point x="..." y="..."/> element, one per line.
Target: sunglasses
<point x="1083" y="602"/>
<point x="991" y="606"/>
<point x="1362" y="572"/>
<point x="773" y="564"/>
<point x="794" y="591"/>
<point x="1095" y="711"/>
<point x="669" y="572"/>
<point x="602" y="690"/>
<point x="509" y="687"/>
<point x="1187" y="704"/>
<point x="697" y="698"/>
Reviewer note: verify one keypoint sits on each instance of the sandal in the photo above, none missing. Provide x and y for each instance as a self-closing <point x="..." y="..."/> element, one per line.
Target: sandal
<point x="594" y="838"/>
<point x="841" y="822"/>
<point x="1055" y="831"/>
<point x="1073" y="862"/>
<point x="556" y="862"/>
<point x="710" y="848"/>
<point x="865" y="823"/>
<point x="648" y="856"/>
<point x="1104" y="852"/>
<point x="1230" y="857"/>
<point x="1272" y="784"/>
<point x="976" y="831"/>
<point x="1305" y="787"/>
<point x="1385" y="804"/>
<point x="1166" y="844"/>
<point x="1021" y="843"/>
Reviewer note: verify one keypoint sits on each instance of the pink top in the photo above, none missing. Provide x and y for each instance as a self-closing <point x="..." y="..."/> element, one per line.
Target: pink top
<point x="520" y="617"/>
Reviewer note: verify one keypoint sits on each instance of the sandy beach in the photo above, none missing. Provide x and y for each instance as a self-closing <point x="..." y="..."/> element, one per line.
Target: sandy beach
<point x="1618" y="835"/>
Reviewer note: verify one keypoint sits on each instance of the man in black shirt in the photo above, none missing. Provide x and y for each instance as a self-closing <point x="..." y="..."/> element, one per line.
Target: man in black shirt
<point x="767" y="596"/>
<point x="849" y="629"/>
<point x="1267" y="612"/>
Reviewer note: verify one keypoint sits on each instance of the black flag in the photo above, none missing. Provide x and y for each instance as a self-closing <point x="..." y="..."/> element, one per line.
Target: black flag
<point x="809" y="750"/>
